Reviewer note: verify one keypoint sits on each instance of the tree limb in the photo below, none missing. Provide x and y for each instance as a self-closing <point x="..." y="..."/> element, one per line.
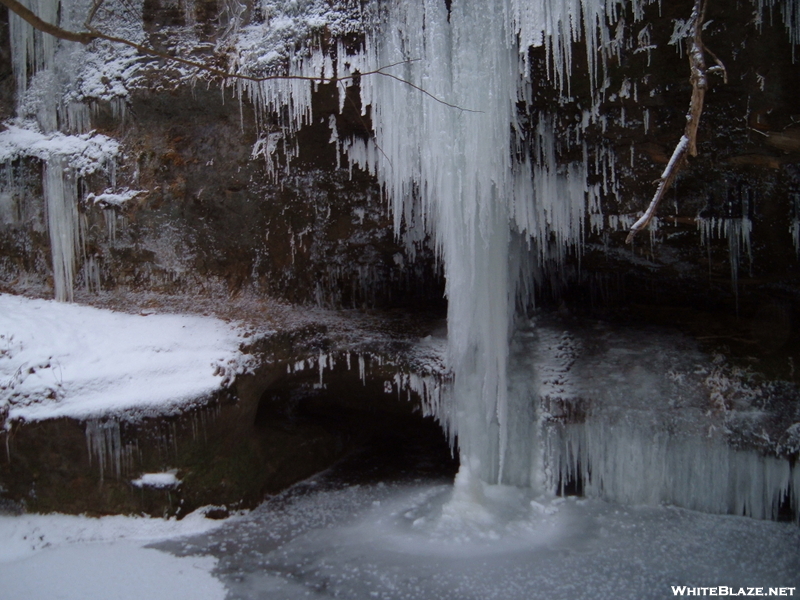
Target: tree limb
<point x="688" y="142"/>
<point x="54" y="30"/>
<point x="92" y="34"/>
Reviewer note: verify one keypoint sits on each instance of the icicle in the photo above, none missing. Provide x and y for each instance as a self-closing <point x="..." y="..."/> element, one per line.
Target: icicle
<point x="737" y="232"/>
<point x="362" y="369"/>
<point x="794" y="228"/>
<point x="91" y="275"/>
<point x="322" y="362"/>
<point x="790" y="13"/>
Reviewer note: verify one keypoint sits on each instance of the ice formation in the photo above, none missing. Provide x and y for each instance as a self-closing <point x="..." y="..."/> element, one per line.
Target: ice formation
<point x="737" y="231"/>
<point x="105" y="446"/>
<point x="636" y="466"/>
<point x="55" y="99"/>
<point x="443" y="83"/>
<point x="66" y="158"/>
<point x="424" y="380"/>
<point x="467" y="176"/>
<point x="499" y="208"/>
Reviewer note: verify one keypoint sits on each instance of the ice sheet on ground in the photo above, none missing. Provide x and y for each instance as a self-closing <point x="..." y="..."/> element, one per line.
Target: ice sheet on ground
<point x="83" y="558"/>
<point x="412" y="541"/>
<point x="64" y="360"/>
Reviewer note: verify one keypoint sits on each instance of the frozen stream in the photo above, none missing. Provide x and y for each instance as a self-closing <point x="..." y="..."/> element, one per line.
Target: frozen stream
<point x="642" y="417"/>
<point x="341" y="536"/>
<point x="637" y="409"/>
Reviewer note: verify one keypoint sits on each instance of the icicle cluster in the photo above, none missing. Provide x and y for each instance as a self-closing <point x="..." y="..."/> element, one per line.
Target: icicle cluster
<point x="636" y="466"/>
<point x="105" y="446"/>
<point x="427" y="383"/>
<point x="790" y="13"/>
<point x="31" y="50"/>
<point x="737" y="231"/>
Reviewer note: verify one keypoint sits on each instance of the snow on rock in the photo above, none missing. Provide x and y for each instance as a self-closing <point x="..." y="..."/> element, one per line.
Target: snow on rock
<point x="110" y="198"/>
<point x="61" y="360"/>
<point x="266" y="47"/>
<point x="158" y="480"/>
<point x="86" y="153"/>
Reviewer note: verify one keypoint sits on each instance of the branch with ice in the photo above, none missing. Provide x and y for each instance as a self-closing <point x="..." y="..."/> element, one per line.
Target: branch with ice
<point x="688" y="142"/>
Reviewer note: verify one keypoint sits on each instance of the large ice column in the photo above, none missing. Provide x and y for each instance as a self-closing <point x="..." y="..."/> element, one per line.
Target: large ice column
<point x="447" y="168"/>
<point x="31" y="50"/>
<point x="454" y="163"/>
<point x="61" y="206"/>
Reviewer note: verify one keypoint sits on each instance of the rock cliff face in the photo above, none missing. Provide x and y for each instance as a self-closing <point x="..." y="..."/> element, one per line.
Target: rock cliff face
<point x="210" y="214"/>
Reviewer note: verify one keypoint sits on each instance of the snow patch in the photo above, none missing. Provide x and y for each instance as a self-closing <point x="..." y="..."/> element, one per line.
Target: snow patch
<point x="165" y="480"/>
<point x="62" y="360"/>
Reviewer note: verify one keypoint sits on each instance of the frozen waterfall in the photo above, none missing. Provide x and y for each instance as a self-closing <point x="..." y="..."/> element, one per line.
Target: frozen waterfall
<point x="461" y="170"/>
<point x="446" y="87"/>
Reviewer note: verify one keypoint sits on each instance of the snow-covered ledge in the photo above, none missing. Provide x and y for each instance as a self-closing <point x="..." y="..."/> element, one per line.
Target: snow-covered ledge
<point x="64" y="360"/>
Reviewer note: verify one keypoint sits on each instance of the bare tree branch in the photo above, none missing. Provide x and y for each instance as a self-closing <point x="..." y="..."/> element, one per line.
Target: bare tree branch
<point x="49" y="28"/>
<point x="687" y="145"/>
<point x="92" y="34"/>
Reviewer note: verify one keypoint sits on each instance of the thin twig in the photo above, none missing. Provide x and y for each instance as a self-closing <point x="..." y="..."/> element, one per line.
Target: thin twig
<point x="90" y="17"/>
<point x="416" y="87"/>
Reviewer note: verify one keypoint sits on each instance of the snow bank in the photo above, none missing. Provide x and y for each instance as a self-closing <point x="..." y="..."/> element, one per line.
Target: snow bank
<point x="64" y="360"/>
<point x="95" y="571"/>
<point x="26" y="535"/>
<point x="60" y="556"/>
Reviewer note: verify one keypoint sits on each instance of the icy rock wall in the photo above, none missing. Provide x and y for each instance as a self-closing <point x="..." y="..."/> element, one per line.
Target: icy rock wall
<point x="46" y="72"/>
